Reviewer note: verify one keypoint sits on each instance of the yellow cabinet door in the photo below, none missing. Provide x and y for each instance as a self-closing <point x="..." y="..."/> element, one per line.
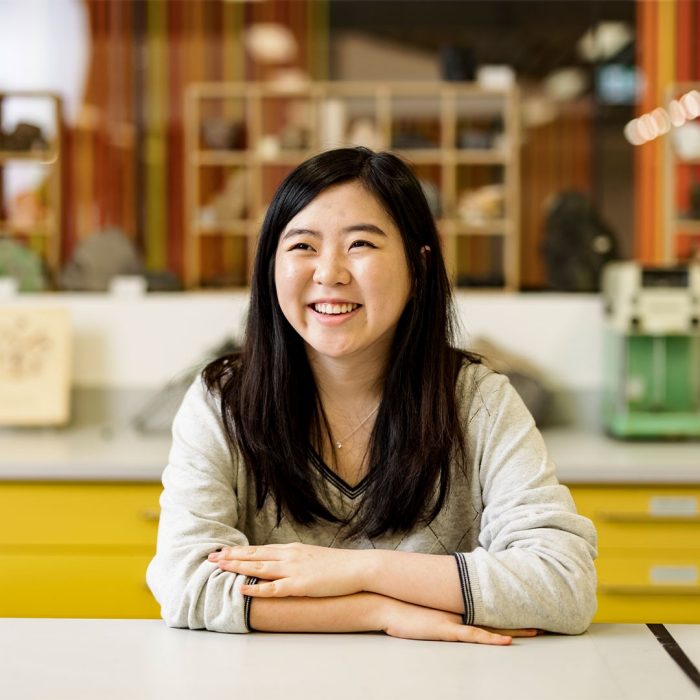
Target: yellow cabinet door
<point x="63" y="513"/>
<point x="658" y="587"/>
<point x="77" y="549"/>
<point x="45" y="584"/>
<point x="642" y="518"/>
<point x="649" y="551"/>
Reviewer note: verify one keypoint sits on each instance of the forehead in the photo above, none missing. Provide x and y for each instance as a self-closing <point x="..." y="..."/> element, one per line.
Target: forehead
<point x="344" y="204"/>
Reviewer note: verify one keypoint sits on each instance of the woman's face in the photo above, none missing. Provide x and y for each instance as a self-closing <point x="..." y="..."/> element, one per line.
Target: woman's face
<point x="341" y="274"/>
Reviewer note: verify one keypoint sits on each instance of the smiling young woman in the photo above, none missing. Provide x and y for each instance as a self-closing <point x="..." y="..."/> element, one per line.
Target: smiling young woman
<point x="351" y="469"/>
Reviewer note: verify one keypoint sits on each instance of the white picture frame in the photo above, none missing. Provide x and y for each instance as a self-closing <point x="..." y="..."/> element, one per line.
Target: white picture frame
<point x="35" y="366"/>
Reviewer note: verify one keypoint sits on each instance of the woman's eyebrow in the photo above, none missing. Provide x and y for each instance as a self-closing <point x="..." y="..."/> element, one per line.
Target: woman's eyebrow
<point x="368" y="228"/>
<point x="300" y="232"/>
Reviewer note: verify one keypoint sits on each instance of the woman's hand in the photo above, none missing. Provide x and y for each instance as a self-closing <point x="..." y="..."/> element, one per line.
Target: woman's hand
<point x="295" y="569"/>
<point x="408" y="621"/>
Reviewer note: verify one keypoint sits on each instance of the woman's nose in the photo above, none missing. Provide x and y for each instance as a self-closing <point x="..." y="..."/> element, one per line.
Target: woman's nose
<point x="331" y="270"/>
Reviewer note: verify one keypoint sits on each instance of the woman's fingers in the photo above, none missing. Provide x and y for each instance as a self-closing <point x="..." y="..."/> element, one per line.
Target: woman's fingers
<point x="482" y="636"/>
<point x="260" y="569"/>
<point x="252" y="553"/>
<point x="268" y="589"/>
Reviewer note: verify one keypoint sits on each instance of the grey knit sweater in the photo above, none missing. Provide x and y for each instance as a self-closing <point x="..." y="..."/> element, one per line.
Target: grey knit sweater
<point x="524" y="557"/>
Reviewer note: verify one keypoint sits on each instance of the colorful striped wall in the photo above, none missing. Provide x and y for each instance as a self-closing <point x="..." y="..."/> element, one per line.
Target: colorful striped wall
<point x="124" y="157"/>
<point x="668" y="52"/>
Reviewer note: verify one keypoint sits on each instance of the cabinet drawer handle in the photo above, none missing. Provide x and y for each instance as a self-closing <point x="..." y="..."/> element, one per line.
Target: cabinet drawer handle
<point x="649" y="590"/>
<point x="613" y="517"/>
<point x="151" y="515"/>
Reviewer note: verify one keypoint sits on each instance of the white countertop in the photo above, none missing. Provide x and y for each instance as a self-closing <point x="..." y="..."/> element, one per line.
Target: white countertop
<point x="65" y="659"/>
<point x="587" y="456"/>
<point x="89" y="453"/>
<point x="118" y="452"/>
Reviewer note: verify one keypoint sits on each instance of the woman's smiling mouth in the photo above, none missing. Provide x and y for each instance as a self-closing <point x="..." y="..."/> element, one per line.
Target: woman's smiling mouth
<point x="334" y="309"/>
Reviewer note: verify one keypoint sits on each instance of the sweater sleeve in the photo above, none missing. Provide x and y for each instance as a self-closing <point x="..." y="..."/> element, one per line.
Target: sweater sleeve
<point x="533" y="566"/>
<point x="199" y="514"/>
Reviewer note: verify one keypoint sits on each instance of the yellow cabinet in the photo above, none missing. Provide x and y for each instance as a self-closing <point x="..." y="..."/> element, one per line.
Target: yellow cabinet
<point x="649" y="551"/>
<point x="77" y="549"/>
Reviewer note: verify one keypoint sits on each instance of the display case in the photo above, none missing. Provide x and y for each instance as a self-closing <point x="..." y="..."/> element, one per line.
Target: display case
<point x="462" y="140"/>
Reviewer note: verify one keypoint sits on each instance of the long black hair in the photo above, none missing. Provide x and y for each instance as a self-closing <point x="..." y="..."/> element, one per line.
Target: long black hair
<point x="269" y="400"/>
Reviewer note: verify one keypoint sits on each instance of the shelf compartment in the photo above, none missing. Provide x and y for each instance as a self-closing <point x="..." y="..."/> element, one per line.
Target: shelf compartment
<point x="287" y="126"/>
<point x="350" y="120"/>
<point x="416" y="123"/>
<point x="223" y="195"/>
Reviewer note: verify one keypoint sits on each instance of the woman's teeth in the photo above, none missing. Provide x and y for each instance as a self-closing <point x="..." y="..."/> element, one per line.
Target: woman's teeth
<point x="335" y="308"/>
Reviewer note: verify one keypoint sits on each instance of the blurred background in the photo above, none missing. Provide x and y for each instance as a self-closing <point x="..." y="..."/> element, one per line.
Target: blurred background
<point x="177" y="119"/>
<point x="558" y="145"/>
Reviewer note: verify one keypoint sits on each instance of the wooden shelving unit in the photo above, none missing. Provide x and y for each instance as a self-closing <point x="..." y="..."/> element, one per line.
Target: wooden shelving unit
<point x="678" y="223"/>
<point x="47" y="230"/>
<point x="241" y="139"/>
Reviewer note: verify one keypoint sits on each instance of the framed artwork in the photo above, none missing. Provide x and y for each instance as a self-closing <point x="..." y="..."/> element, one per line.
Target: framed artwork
<point x="35" y="365"/>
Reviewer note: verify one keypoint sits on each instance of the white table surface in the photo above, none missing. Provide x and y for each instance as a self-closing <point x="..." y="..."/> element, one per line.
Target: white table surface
<point x="120" y="453"/>
<point x="688" y="638"/>
<point x="138" y="659"/>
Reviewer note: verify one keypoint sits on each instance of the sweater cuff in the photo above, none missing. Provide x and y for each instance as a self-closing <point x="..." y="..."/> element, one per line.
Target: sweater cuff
<point x="247" y="600"/>
<point x="468" y="616"/>
<point x="470" y="590"/>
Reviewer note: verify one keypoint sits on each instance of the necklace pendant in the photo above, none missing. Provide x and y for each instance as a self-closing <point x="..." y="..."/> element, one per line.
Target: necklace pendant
<point x="338" y="444"/>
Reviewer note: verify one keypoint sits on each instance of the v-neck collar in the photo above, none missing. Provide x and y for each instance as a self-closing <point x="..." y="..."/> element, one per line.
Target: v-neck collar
<point x="335" y="480"/>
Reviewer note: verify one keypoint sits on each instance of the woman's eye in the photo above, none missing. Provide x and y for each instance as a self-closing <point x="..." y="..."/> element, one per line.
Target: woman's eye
<point x="358" y="244"/>
<point x="301" y="246"/>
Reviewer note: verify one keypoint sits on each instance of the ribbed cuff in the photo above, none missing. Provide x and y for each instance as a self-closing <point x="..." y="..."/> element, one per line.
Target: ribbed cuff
<point x="467" y="595"/>
<point x="250" y="581"/>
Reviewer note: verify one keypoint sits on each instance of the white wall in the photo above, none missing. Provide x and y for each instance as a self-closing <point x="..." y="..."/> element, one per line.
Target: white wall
<point x="356" y="56"/>
<point x="144" y="342"/>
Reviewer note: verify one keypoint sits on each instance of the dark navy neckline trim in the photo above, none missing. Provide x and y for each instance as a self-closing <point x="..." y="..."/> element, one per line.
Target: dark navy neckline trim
<point x="337" y="481"/>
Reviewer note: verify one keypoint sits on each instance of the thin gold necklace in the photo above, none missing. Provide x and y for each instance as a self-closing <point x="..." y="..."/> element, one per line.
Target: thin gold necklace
<point x="339" y="443"/>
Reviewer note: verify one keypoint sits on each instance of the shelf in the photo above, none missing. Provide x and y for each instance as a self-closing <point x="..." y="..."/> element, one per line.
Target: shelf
<point x="477" y="156"/>
<point x="436" y="114"/>
<point x="231" y="228"/>
<point x="213" y="157"/>
<point x="498" y="227"/>
<point x="420" y="156"/>
<point x="283" y="157"/>
<point x="42" y="157"/>
<point x="42" y="228"/>
<point x="46" y="158"/>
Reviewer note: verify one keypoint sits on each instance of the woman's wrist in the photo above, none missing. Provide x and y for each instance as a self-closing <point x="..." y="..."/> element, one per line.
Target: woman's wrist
<point x="379" y="612"/>
<point x="368" y="563"/>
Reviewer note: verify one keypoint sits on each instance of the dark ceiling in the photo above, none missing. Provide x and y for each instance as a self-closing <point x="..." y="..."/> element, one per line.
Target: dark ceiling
<point x="533" y="37"/>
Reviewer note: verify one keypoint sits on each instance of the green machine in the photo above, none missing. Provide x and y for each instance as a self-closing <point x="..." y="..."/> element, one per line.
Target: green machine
<point x="652" y="351"/>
